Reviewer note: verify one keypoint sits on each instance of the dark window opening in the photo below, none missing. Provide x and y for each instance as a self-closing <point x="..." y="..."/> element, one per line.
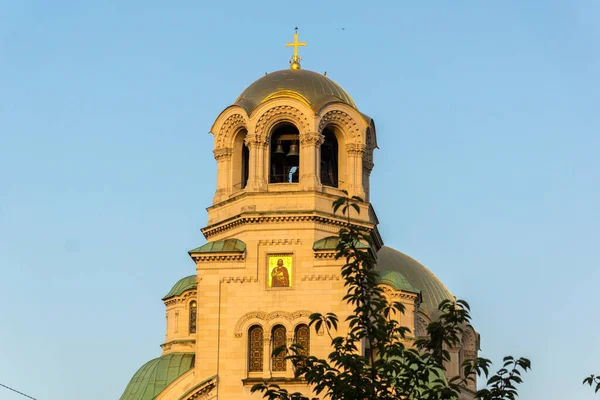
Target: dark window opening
<point x="245" y="164"/>
<point x="193" y="316"/>
<point x="285" y="155"/>
<point x="329" y="160"/>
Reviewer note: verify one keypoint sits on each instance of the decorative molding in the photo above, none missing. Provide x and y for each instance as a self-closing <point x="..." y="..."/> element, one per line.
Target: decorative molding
<point x="256" y="141"/>
<point x="321" y="277"/>
<point x="278" y="113"/>
<point x="280" y="242"/>
<point x="239" y="279"/>
<point x="327" y="254"/>
<point x="263" y="316"/>
<point x="356" y="149"/>
<point x="240" y="221"/>
<point x="182" y="298"/>
<point x="182" y="342"/>
<point x="222" y="153"/>
<point x="398" y="294"/>
<point x="219" y="257"/>
<point x="309" y="139"/>
<point x="343" y="120"/>
<point x="229" y="128"/>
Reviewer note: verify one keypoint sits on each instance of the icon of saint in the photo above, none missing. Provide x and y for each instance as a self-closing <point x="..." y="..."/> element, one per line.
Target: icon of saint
<point x="280" y="276"/>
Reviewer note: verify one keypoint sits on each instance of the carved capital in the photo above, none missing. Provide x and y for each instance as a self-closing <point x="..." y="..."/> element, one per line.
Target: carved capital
<point x="222" y="154"/>
<point x="356" y="149"/>
<point x="256" y="142"/>
<point x="470" y="354"/>
<point x="368" y="166"/>
<point x="311" y="139"/>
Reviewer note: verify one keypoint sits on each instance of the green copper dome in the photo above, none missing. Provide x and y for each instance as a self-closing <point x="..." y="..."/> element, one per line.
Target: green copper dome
<point x="187" y="283"/>
<point x="221" y="246"/>
<point x="310" y="87"/>
<point x="154" y="376"/>
<point x="396" y="280"/>
<point x="419" y="277"/>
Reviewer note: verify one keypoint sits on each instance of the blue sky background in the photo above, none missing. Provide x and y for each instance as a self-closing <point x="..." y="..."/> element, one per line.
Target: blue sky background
<point x="488" y="169"/>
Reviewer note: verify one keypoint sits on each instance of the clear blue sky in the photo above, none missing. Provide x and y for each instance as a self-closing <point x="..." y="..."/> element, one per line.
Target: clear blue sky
<point x="488" y="169"/>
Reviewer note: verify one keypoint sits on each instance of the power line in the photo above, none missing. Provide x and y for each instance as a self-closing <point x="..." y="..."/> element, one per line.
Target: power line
<point x="16" y="391"/>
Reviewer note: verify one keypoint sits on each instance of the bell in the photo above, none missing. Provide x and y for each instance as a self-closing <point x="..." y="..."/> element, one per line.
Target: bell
<point x="279" y="148"/>
<point x="293" y="150"/>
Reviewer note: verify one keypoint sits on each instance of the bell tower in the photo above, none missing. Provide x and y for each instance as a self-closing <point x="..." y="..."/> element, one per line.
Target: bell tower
<point x="291" y="142"/>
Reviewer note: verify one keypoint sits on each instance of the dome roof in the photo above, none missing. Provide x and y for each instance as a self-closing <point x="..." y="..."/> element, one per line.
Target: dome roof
<point x="154" y="376"/>
<point x="432" y="289"/>
<point x="187" y="283"/>
<point x="314" y="89"/>
<point x="396" y="280"/>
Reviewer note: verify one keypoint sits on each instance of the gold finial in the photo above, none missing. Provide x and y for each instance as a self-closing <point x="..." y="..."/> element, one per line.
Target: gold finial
<point x="295" y="61"/>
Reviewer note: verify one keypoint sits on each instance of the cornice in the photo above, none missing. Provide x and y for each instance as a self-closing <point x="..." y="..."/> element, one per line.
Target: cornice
<point x="218" y="257"/>
<point x="181" y="298"/>
<point x="241" y="220"/>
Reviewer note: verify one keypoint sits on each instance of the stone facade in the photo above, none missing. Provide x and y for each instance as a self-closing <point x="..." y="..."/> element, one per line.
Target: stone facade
<point x="236" y="291"/>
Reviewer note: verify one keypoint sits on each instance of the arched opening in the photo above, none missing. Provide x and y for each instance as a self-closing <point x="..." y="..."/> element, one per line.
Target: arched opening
<point x="302" y="338"/>
<point x="329" y="159"/>
<point x="255" y="348"/>
<point x="193" y="316"/>
<point x="278" y="339"/>
<point x="241" y="159"/>
<point x="284" y="165"/>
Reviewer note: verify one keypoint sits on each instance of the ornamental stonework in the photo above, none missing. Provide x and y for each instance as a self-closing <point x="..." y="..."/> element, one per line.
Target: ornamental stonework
<point x="311" y="139"/>
<point x="278" y="113"/>
<point x="266" y="317"/>
<point x="222" y="154"/>
<point x="231" y="126"/>
<point x="343" y="120"/>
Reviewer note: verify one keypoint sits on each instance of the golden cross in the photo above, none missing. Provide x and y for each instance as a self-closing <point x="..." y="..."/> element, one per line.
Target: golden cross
<point x="295" y="45"/>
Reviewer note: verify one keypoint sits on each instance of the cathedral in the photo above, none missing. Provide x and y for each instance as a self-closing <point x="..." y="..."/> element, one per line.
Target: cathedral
<point x="288" y="146"/>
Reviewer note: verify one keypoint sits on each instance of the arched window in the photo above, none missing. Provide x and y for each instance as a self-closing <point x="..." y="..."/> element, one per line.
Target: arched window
<point x="302" y="337"/>
<point x="329" y="159"/>
<point x="278" y="339"/>
<point x="284" y="165"/>
<point x="241" y="158"/>
<point x="255" y="349"/>
<point x="193" y="316"/>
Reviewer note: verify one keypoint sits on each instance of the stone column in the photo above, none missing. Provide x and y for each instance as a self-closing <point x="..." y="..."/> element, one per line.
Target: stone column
<point x="256" y="166"/>
<point x="223" y="157"/>
<point x="355" y="151"/>
<point x="310" y="160"/>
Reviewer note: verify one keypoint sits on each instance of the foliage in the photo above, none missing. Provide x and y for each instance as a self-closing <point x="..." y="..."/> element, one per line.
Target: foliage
<point x="593" y="380"/>
<point x="391" y="369"/>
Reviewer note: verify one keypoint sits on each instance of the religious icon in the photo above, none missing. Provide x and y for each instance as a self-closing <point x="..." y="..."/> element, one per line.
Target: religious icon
<point x="280" y="268"/>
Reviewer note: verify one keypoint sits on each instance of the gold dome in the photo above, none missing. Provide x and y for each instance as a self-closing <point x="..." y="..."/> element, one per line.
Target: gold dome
<point x="314" y="89"/>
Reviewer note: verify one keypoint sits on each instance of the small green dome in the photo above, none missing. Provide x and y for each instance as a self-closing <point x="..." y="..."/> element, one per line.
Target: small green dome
<point x="187" y="283"/>
<point x="221" y="246"/>
<point x="432" y="289"/>
<point x="331" y="242"/>
<point x="396" y="280"/>
<point x="154" y="376"/>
